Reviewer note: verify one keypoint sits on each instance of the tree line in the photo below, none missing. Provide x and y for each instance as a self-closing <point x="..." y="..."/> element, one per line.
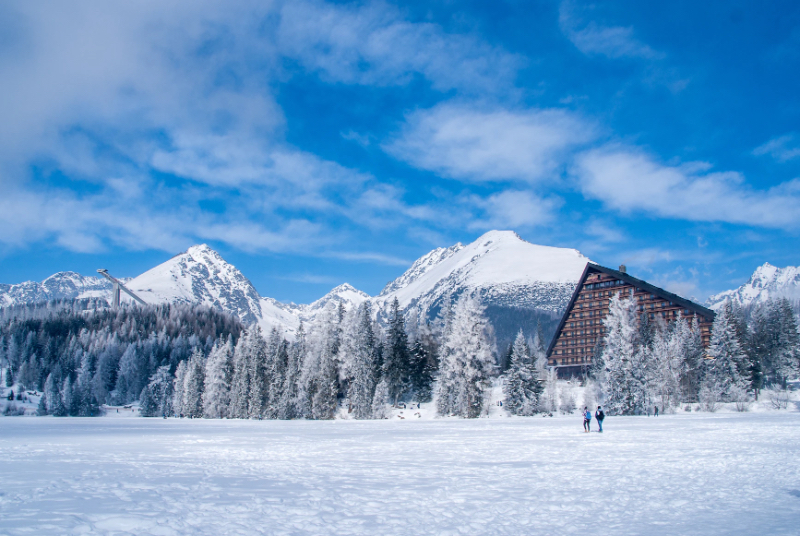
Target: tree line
<point x="644" y="364"/>
<point x="194" y="361"/>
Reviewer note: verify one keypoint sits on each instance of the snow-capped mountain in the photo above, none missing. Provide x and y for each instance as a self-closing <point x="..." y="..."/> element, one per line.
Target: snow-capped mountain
<point x="519" y="282"/>
<point x="60" y="286"/>
<point x="767" y="281"/>
<point x="515" y="279"/>
<point x="200" y="275"/>
<point x="502" y="267"/>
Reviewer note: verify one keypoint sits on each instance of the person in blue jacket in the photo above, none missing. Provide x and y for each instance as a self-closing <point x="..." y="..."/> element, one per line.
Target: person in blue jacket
<point x="587" y="419"/>
<point x="599" y="415"/>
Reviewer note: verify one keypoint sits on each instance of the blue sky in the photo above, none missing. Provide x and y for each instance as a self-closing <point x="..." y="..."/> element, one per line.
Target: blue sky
<point x="314" y="143"/>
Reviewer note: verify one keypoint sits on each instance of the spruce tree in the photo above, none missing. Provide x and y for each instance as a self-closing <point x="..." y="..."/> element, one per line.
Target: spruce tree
<point x="395" y="357"/>
<point x="218" y="376"/>
<point x="467" y="361"/>
<point x="522" y="388"/>
<point x="240" y="384"/>
<point x="727" y="369"/>
<point x="621" y="382"/>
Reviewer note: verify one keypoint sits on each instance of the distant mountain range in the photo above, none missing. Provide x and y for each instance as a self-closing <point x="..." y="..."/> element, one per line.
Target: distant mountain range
<point x="519" y="283"/>
<point x="767" y="282"/>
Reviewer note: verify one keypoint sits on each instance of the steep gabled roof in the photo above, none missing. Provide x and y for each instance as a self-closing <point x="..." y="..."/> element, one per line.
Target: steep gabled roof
<point x="638" y="283"/>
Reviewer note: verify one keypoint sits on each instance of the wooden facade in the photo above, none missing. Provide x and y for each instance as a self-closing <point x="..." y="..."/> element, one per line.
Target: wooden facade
<point x="581" y="328"/>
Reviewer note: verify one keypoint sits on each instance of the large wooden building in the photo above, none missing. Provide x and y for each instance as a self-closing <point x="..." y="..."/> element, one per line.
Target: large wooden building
<point x="581" y="328"/>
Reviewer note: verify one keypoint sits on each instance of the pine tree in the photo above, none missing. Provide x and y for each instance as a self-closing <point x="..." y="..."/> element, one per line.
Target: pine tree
<point x="467" y="361"/>
<point x="422" y="372"/>
<point x="379" y="400"/>
<point x="289" y="404"/>
<point x="193" y="385"/>
<point x="522" y="388"/>
<point x="787" y="354"/>
<point x="157" y="396"/>
<point x="258" y="397"/>
<point x="179" y="389"/>
<point x="240" y="384"/>
<point x="55" y="402"/>
<point x="727" y="371"/>
<point x="622" y="387"/>
<point x="218" y="376"/>
<point x="360" y="348"/>
<point x="395" y="357"/>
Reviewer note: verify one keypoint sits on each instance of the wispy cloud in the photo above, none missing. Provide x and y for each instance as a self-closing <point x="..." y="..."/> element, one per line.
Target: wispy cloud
<point x="631" y="181"/>
<point x="471" y="142"/>
<point x="515" y="209"/>
<point x="369" y="257"/>
<point x="593" y="38"/>
<point x="373" y="44"/>
<point x="783" y="148"/>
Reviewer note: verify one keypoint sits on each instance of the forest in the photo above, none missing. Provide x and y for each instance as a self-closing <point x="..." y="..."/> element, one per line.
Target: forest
<point x="197" y="362"/>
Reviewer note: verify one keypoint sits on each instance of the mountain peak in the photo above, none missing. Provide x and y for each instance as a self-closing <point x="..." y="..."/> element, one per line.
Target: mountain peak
<point x="767" y="281"/>
<point x="499" y="236"/>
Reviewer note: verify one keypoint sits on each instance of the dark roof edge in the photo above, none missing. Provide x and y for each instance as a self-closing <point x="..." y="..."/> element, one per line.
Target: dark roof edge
<point x="590" y="266"/>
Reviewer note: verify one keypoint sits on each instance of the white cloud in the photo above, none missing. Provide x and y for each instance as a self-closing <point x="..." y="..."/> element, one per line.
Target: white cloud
<point x="372" y="44"/>
<point x="474" y="143"/>
<point x="628" y="180"/>
<point x="593" y="38"/>
<point x="512" y="209"/>
<point x="781" y="148"/>
<point x="151" y="108"/>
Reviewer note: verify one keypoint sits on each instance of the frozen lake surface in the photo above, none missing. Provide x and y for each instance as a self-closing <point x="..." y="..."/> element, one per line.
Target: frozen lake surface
<point x="676" y="474"/>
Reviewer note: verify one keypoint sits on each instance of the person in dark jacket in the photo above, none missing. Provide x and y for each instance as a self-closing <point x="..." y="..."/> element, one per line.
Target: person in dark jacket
<point x="599" y="415"/>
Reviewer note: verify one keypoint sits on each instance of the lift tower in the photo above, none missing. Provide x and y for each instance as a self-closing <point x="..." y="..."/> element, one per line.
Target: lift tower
<point x="117" y="287"/>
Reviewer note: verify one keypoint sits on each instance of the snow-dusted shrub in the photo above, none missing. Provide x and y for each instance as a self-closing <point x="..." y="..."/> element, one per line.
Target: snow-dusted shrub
<point x="590" y="395"/>
<point x="12" y="410"/>
<point x="568" y="404"/>
<point x="740" y="397"/>
<point x="709" y="396"/>
<point x="779" y="399"/>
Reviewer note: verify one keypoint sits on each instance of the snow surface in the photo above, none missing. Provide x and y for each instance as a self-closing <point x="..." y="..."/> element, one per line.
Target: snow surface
<point x="705" y="474"/>
<point x="767" y="281"/>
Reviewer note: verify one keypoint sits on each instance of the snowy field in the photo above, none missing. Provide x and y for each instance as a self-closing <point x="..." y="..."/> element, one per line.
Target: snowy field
<point x="675" y="474"/>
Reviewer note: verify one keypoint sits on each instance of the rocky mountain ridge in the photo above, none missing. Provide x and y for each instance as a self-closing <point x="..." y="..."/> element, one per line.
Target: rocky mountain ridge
<point x="767" y="282"/>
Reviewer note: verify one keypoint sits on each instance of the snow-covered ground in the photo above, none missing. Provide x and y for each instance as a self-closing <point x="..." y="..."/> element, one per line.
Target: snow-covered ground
<point x="690" y="473"/>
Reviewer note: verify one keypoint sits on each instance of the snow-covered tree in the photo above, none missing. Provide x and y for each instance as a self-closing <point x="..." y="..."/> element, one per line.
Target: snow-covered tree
<point x="622" y="384"/>
<point x="240" y="382"/>
<point x="157" y="396"/>
<point x="379" y="400"/>
<point x="358" y="349"/>
<point x="522" y="388"/>
<point x="467" y="361"/>
<point x="395" y="355"/>
<point x="179" y="388"/>
<point x="727" y="367"/>
<point x="193" y="385"/>
<point x="218" y="376"/>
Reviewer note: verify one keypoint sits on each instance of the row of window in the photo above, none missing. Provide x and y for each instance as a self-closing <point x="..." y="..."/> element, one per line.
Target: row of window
<point x="604" y="284"/>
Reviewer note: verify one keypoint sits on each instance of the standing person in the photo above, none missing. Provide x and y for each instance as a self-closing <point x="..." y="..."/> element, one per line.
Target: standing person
<point x="656" y="411"/>
<point x="587" y="419"/>
<point x="599" y="415"/>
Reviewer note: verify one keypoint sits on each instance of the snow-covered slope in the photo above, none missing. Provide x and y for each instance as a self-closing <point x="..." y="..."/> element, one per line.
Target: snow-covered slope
<point x="60" y="286"/>
<point x="200" y="275"/>
<point x="501" y="267"/>
<point x="767" y="281"/>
